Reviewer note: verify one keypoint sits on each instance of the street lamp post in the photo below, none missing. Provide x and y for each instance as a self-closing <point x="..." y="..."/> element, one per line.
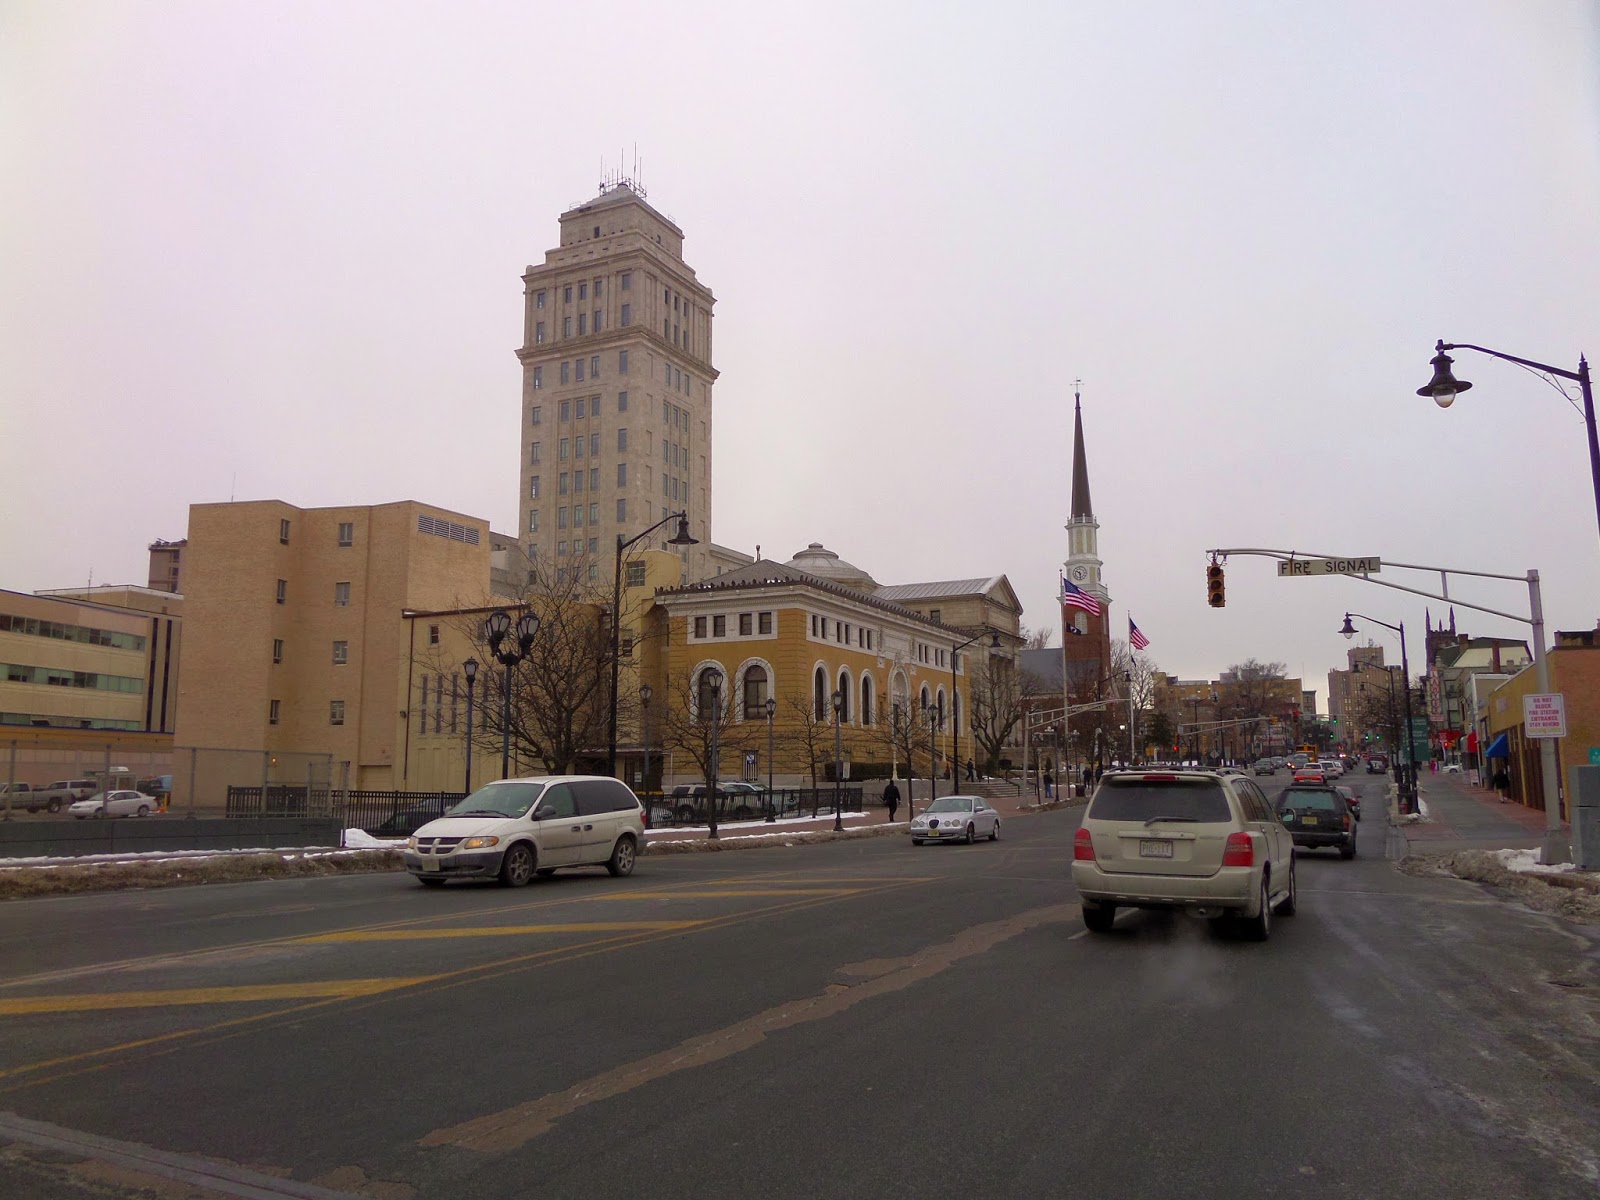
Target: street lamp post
<point x="955" y="724"/>
<point x="509" y="651"/>
<point x="1127" y="679"/>
<point x="838" y="760"/>
<point x="679" y="538"/>
<point x="713" y="678"/>
<point x="645" y="692"/>
<point x="772" y="711"/>
<point x="1444" y="387"/>
<point x="932" y="716"/>
<point x="470" y="668"/>
<point x="1409" y="795"/>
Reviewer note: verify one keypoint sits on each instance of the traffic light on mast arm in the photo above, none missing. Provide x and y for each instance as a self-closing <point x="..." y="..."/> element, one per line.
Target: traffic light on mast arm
<point x="1215" y="590"/>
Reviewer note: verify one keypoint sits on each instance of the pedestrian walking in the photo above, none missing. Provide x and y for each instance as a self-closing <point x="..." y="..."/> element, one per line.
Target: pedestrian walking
<point x="1088" y="777"/>
<point x="891" y="797"/>
<point x="1502" y="784"/>
<point x="972" y="770"/>
<point x="1049" y="784"/>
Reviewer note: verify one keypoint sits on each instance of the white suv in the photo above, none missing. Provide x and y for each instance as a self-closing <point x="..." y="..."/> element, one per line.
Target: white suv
<point x="514" y="829"/>
<point x="1206" y="843"/>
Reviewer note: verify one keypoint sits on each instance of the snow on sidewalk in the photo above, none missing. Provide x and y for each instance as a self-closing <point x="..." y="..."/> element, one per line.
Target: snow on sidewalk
<point x="355" y="841"/>
<point x="1526" y="861"/>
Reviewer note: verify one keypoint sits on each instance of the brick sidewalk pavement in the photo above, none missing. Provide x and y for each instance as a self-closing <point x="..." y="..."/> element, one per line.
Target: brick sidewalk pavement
<point x="1464" y="817"/>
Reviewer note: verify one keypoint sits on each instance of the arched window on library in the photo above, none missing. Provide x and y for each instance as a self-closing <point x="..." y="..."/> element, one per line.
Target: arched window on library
<point x="755" y="694"/>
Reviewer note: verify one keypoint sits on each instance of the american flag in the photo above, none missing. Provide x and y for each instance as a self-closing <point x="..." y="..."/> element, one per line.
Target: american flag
<point x="1076" y="597"/>
<point x="1136" y="639"/>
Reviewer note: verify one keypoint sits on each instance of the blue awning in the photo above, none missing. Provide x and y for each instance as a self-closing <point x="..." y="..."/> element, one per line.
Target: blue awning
<point x="1499" y="748"/>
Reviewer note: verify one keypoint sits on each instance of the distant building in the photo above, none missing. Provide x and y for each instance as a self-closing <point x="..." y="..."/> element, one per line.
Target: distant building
<point x="297" y="635"/>
<point x="616" y="389"/>
<point x="90" y="658"/>
<point x="166" y="565"/>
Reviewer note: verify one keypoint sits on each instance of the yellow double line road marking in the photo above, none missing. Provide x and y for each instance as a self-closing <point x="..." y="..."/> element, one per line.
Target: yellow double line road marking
<point x="334" y="989"/>
<point x="477" y="931"/>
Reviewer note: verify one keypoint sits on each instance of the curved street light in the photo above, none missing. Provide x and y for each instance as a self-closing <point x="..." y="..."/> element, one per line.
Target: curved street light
<point x="1444" y="387"/>
<point x="680" y="537"/>
<point x="772" y="711"/>
<point x="1409" y="783"/>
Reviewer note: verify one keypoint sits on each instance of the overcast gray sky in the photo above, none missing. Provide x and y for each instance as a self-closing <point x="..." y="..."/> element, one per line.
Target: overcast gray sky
<point x="273" y="250"/>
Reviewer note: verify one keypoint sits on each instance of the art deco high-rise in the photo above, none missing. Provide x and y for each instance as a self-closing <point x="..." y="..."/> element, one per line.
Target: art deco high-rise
<point x="616" y="388"/>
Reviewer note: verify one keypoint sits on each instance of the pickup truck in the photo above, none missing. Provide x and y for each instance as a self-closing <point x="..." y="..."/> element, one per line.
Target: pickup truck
<point x="16" y="795"/>
<point x="59" y="794"/>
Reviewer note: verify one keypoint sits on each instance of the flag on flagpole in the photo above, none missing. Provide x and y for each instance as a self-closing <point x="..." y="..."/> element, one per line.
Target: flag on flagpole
<point x="1136" y="639"/>
<point x="1076" y="597"/>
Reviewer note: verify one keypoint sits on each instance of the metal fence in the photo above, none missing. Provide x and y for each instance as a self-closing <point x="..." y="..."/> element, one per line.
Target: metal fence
<point x="380" y="813"/>
<point x="667" y="809"/>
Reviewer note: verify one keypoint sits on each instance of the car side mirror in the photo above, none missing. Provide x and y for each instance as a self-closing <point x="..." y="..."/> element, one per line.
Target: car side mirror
<point x="540" y="813"/>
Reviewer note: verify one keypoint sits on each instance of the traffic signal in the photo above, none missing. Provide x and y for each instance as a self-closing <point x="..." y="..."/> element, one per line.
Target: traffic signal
<point x="1214" y="585"/>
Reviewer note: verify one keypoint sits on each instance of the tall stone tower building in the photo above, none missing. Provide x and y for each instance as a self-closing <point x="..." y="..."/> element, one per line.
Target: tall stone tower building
<point x="1085" y="637"/>
<point x="616" y="389"/>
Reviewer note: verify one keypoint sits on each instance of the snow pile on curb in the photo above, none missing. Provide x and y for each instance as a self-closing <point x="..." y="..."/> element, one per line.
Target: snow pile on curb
<point x="63" y="878"/>
<point x="1526" y="860"/>
<point x="1567" y="895"/>
<point x="767" y="841"/>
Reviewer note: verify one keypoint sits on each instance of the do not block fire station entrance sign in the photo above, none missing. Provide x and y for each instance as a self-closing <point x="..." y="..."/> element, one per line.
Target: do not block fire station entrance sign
<point x="1544" y="716"/>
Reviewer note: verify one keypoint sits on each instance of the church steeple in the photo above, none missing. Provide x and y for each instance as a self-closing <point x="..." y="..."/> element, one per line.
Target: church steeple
<point x="1082" y="509"/>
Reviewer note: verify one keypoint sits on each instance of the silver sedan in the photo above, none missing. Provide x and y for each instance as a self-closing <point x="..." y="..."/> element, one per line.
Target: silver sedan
<point x="124" y="803"/>
<point x="956" y="819"/>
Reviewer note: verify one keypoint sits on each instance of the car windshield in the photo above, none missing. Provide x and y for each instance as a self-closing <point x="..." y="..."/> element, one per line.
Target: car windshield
<point x="1137" y="799"/>
<point x="1320" y="800"/>
<point x="508" y="799"/>
<point x="950" y="804"/>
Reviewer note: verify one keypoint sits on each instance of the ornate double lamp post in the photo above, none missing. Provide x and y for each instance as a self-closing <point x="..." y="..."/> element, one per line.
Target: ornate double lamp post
<point x="509" y="651"/>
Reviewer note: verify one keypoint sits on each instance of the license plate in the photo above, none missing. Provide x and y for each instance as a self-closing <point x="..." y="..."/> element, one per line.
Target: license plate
<point x="429" y="864"/>
<point x="1155" y="849"/>
<point x="1308" y="820"/>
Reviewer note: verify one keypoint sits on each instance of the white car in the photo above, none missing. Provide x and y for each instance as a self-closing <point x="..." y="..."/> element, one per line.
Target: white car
<point x="515" y="829"/>
<point x="956" y="819"/>
<point x="118" y="804"/>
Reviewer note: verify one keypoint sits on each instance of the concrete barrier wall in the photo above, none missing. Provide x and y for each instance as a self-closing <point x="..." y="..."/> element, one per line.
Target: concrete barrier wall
<point x="34" y="838"/>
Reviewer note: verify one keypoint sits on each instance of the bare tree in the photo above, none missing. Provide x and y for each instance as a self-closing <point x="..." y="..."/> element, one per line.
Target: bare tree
<point x="698" y="719"/>
<point x="1134" y="675"/>
<point x="559" y="692"/>
<point x="814" y="735"/>
<point x="999" y="701"/>
<point x="1037" y="639"/>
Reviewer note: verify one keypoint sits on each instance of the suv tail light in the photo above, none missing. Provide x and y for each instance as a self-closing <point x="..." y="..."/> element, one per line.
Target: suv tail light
<point x="1347" y="822"/>
<point x="1082" y="846"/>
<point x="1239" y="852"/>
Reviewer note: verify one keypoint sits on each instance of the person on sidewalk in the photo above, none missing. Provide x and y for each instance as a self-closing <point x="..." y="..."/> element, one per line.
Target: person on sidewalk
<point x="972" y="770"/>
<point x="891" y="797"/>
<point x="1049" y="784"/>
<point x="1502" y="784"/>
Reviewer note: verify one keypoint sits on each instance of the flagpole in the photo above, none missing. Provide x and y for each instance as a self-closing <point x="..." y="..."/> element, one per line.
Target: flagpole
<point x="1066" y="704"/>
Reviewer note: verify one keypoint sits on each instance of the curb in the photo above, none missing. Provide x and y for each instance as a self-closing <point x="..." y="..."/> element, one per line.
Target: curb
<point x="767" y="841"/>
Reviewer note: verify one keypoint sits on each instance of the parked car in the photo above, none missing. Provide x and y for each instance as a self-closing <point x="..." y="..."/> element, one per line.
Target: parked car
<point x="1264" y="766"/>
<point x="514" y="829"/>
<point x="956" y="819"/>
<point x="1191" y="840"/>
<point x="404" y="822"/>
<point x="1317" y="817"/>
<point x="61" y="793"/>
<point x="122" y="802"/>
<point x="159" y="786"/>
<point x="1350" y="799"/>
<point x="736" y="801"/>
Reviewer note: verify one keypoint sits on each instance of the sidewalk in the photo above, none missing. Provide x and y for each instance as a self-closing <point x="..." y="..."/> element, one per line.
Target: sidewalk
<point x="1463" y="817"/>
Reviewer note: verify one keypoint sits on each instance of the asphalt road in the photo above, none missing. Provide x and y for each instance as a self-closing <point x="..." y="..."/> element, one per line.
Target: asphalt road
<point x="859" y="1019"/>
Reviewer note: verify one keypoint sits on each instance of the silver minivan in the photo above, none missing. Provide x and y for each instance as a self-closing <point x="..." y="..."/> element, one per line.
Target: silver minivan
<point x="515" y="829"/>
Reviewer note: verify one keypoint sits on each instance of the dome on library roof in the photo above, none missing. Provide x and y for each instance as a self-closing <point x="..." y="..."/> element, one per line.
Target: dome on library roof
<point x="816" y="559"/>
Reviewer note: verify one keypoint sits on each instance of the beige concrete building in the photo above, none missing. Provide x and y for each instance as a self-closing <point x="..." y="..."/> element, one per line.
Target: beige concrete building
<point x="297" y="633"/>
<point x="166" y="566"/>
<point x="90" y="658"/>
<point x="616" y="389"/>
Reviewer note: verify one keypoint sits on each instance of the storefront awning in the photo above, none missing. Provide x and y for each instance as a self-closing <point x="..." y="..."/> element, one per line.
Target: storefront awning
<point x="1499" y="748"/>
